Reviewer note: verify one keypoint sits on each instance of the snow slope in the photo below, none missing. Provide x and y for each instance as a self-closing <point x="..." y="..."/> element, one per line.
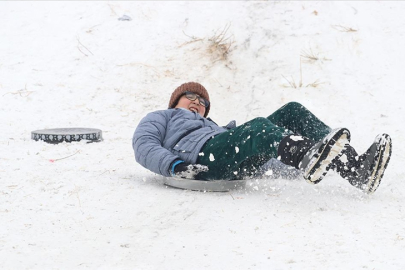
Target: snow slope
<point x="91" y="206"/>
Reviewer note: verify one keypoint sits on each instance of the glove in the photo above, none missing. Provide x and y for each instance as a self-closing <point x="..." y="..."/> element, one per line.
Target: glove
<point x="181" y="169"/>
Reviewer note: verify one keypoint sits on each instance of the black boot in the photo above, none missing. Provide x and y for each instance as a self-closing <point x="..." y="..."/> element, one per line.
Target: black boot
<point x="365" y="171"/>
<point x="314" y="158"/>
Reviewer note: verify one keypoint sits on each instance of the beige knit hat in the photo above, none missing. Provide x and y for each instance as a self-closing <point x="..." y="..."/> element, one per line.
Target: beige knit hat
<point x="191" y="87"/>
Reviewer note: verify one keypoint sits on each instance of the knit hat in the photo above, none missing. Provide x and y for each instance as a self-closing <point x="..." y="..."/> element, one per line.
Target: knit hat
<point x="191" y="87"/>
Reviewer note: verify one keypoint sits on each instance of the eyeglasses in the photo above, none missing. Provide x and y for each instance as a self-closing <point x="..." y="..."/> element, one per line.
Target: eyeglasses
<point x="192" y="96"/>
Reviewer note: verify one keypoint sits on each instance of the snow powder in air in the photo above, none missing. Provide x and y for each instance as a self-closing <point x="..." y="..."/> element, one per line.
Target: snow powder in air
<point x="343" y="158"/>
<point x="212" y="157"/>
<point x="296" y="138"/>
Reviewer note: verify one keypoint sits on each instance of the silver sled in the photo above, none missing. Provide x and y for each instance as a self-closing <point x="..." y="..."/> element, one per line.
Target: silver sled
<point x="200" y="185"/>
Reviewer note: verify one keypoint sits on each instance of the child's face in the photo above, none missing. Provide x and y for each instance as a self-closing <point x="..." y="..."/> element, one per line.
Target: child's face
<point x="192" y="105"/>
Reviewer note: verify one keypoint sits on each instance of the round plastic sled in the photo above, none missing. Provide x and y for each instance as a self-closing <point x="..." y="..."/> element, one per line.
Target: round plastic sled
<point x="58" y="135"/>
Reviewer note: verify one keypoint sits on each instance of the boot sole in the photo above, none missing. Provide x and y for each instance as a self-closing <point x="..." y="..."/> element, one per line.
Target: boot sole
<point x="332" y="149"/>
<point x="385" y="150"/>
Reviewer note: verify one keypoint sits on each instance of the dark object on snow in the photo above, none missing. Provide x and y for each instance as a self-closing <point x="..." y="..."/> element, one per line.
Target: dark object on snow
<point x="365" y="171"/>
<point x="125" y="18"/>
<point x="58" y="135"/>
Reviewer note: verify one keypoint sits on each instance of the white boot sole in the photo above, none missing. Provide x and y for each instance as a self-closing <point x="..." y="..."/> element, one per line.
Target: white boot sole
<point x="335" y="151"/>
<point x="382" y="162"/>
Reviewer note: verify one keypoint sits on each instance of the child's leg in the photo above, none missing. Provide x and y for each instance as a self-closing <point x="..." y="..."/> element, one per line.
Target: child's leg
<point x="240" y="151"/>
<point x="295" y="117"/>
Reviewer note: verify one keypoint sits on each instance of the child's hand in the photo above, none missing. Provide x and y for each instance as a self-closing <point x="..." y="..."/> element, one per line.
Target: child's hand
<point x="188" y="171"/>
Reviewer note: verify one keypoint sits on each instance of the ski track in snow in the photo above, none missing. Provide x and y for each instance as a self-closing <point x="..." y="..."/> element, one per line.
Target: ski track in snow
<point x="75" y="64"/>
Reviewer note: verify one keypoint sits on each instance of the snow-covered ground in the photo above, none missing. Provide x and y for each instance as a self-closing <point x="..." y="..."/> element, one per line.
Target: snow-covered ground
<point x="75" y="64"/>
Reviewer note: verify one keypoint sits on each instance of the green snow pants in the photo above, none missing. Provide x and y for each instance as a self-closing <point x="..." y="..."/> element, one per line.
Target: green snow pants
<point x="238" y="153"/>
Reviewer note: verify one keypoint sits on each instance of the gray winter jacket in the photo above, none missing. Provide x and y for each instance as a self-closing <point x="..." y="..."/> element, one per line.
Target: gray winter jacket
<point x="166" y="135"/>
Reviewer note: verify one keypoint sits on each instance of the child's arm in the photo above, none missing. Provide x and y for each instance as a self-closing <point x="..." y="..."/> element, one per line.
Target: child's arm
<point x="147" y="144"/>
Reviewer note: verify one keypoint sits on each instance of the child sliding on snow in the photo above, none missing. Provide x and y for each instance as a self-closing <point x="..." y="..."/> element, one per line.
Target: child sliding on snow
<point x="182" y="142"/>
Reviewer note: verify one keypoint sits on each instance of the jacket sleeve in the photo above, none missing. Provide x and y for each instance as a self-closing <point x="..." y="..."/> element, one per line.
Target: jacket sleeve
<point x="147" y="144"/>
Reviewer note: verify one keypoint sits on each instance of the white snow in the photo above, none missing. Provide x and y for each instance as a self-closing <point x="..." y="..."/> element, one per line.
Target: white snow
<point x="75" y="64"/>
<point x="343" y="158"/>
<point x="269" y="172"/>
<point x="236" y="149"/>
<point x="212" y="158"/>
<point x="296" y="138"/>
